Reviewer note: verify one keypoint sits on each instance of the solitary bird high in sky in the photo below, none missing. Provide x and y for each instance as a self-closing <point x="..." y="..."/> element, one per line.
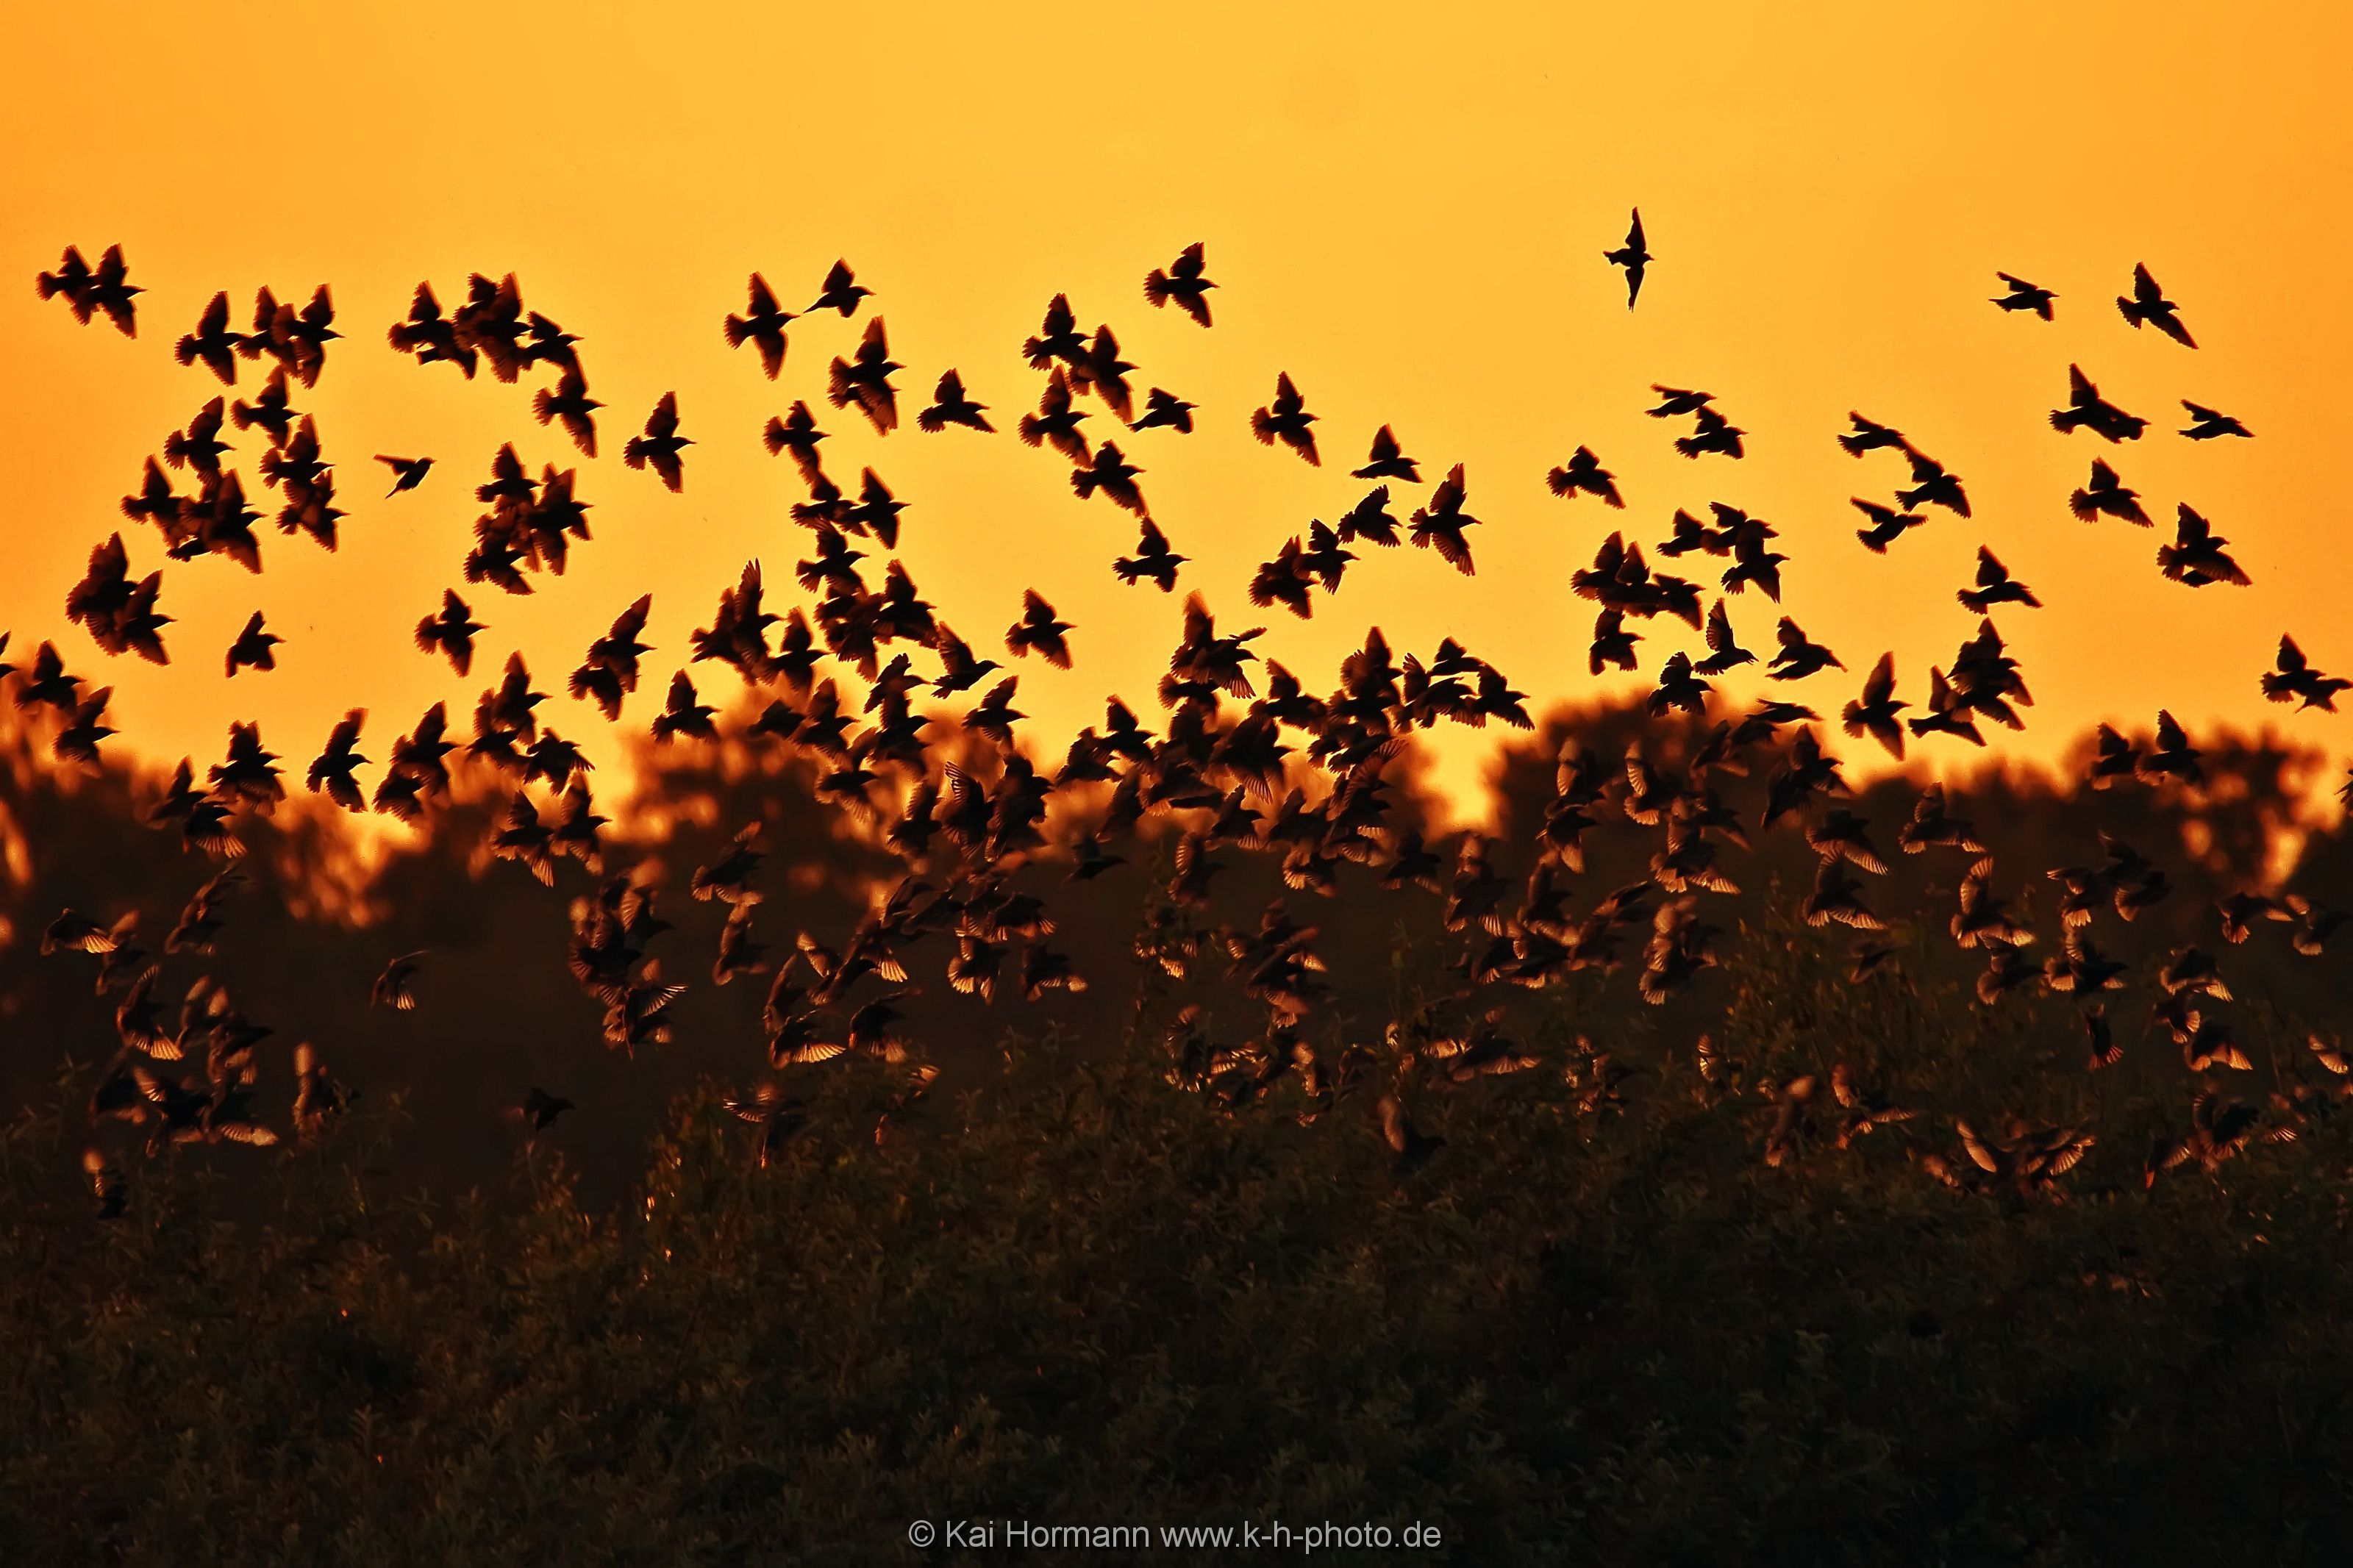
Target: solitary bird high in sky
<point x="1633" y="258"/>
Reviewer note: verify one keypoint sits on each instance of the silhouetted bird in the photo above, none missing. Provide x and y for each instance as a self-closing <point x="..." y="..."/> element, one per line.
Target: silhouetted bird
<point x="428" y="335"/>
<point x="763" y="322"/>
<point x="683" y="714"/>
<point x="611" y="668"/>
<point x="660" y="445"/>
<point x="2196" y="556"/>
<point x="1633" y="258"/>
<point x="2108" y="496"/>
<point x="1887" y="524"/>
<point x="251" y="650"/>
<point x="2025" y="296"/>
<point x="841" y="291"/>
<point x="571" y="404"/>
<point x="451" y="633"/>
<point x="1932" y="485"/>
<point x="866" y="380"/>
<point x="107" y="289"/>
<point x="331" y="771"/>
<point x="798" y="433"/>
<point x="199" y="446"/>
<point x="213" y="344"/>
<point x="1679" y="686"/>
<point x="1725" y="652"/>
<point x="1056" y="423"/>
<point x="1873" y="713"/>
<point x="1869" y="436"/>
<point x="1112" y="474"/>
<point x="1799" y="655"/>
<point x="1584" y="472"/>
<point x="270" y="409"/>
<point x="1995" y="586"/>
<point x="2296" y="680"/>
<point x="1370" y="519"/>
<point x="1677" y="400"/>
<point x="1946" y="715"/>
<point x="2087" y="409"/>
<point x="1387" y="461"/>
<point x="72" y="279"/>
<point x="393" y="988"/>
<point x="1163" y="409"/>
<point x="1058" y="338"/>
<point x="1101" y="371"/>
<point x="2207" y="422"/>
<point x="1712" y="432"/>
<point x="408" y="473"/>
<point x="1285" y="580"/>
<point x="1287" y="419"/>
<point x="2147" y="305"/>
<point x="1439" y="525"/>
<point x="951" y="406"/>
<point x="1153" y="560"/>
<point x="550" y="345"/>
<point x="1183" y="283"/>
<point x="2172" y="756"/>
<point x="1038" y="631"/>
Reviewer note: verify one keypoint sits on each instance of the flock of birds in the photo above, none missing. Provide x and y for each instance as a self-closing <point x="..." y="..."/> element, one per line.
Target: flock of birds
<point x="1246" y="760"/>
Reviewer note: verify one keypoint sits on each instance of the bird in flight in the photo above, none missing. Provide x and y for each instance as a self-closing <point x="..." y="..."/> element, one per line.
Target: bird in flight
<point x="1038" y="631"/>
<point x="1056" y="423"/>
<point x="1386" y="460"/>
<point x="2025" y="296"/>
<point x="451" y="631"/>
<point x="213" y="344"/>
<point x="1114" y="474"/>
<point x="108" y="290"/>
<point x="73" y="279"/>
<point x="841" y="293"/>
<point x="1887" y="524"/>
<point x="1153" y="562"/>
<point x="660" y="445"/>
<point x="763" y="322"/>
<point x="1677" y="400"/>
<point x="570" y="403"/>
<point x="1995" y="586"/>
<point x="408" y="473"/>
<point x="2295" y="678"/>
<point x="2196" y="557"/>
<point x="1439" y="525"/>
<point x="1711" y="432"/>
<point x="1165" y="409"/>
<point x="2206" y="423"/>
<point x="393" y="988"/>
<point x="1870" y="435"/>
<point x="2107" y="495"/>
<point x="1286" y="420"/>
<point x="2148" y="306"/>
<point x="251" y="650"/>
<point x="950" y="406"/>
<point x="866" y="381"/>
<point x="1583" y="471"/>
<point x="1183" y="283"/>
<point x="1873" y="713"/>
<point x="1933" y="486"/>
<point x="1633" y="257"/>
<point x="2087" y="409"/>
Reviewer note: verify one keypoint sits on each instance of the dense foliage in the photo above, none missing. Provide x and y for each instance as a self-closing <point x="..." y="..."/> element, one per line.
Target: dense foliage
<point x="1593" y="1325"/>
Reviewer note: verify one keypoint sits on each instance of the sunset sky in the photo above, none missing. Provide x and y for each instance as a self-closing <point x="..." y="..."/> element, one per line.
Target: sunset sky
<point x="1405" y="208"/>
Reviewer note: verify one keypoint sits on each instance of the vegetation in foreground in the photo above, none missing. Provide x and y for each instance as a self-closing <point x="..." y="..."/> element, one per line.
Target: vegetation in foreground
<point x="1592" y="1323"/>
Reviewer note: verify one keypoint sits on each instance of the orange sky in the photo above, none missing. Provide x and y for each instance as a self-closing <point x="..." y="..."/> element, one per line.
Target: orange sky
<point x="1404" y="207"/>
